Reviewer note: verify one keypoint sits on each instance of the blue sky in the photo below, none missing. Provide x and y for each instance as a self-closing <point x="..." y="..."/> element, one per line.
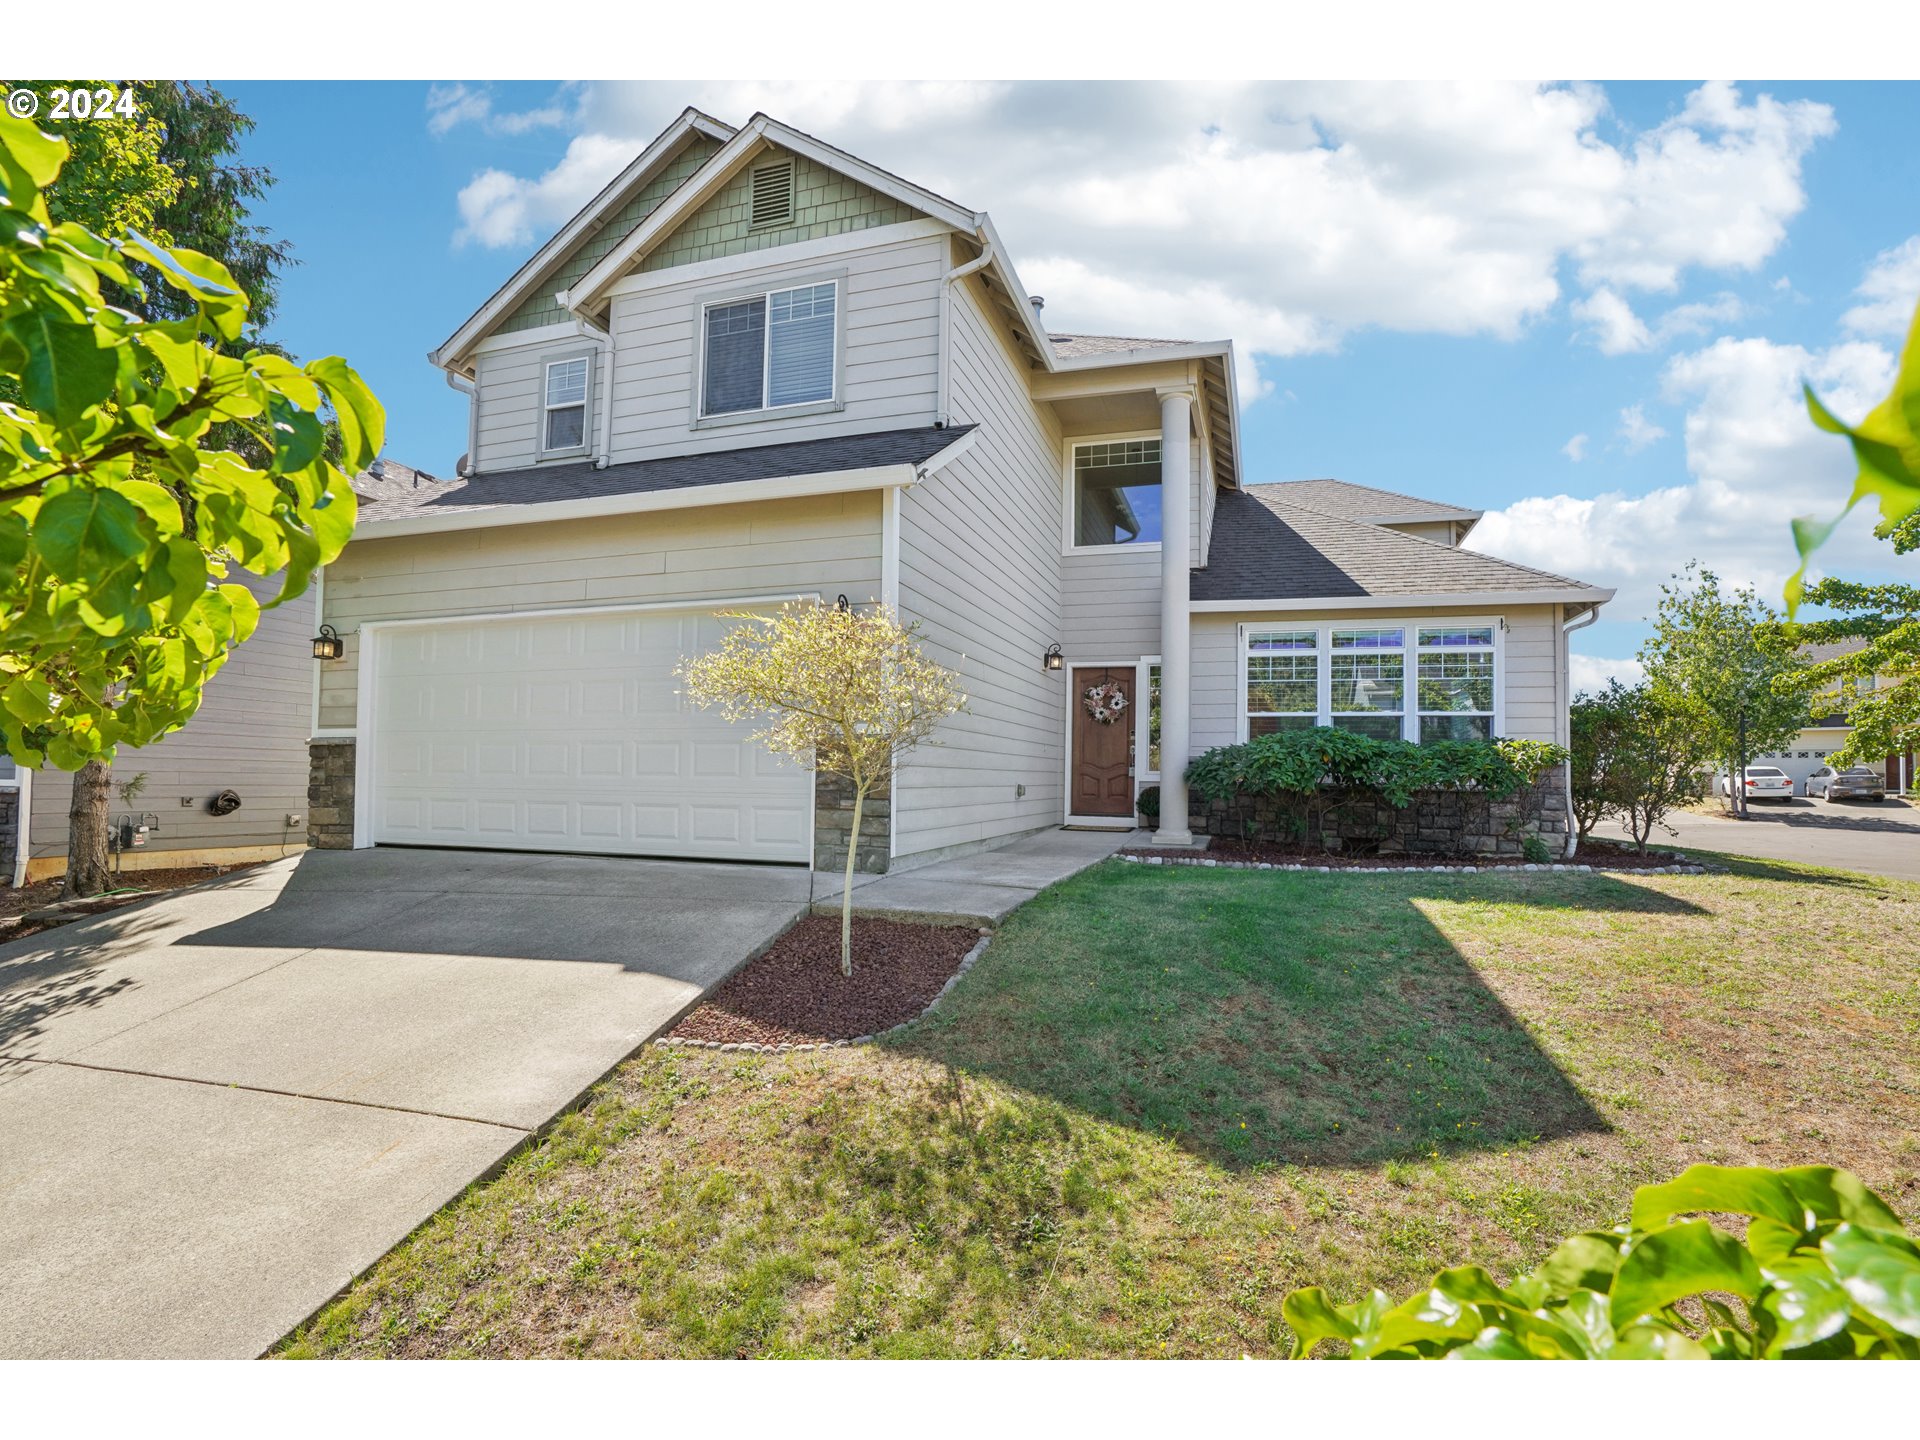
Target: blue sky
<point x="1434" y="289"/>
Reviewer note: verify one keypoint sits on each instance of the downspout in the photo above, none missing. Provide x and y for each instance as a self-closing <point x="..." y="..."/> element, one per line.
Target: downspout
<point x="1566" y="676"/>
<point x="959" y="272"/>
<point x="466" y="387"/>
<point x="605" y="456"/>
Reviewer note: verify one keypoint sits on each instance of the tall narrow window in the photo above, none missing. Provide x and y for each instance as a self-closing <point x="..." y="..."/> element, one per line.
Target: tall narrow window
<point x="1456" y="682"/>
<point x="566" y="405"/>
<point x="1368" y="668"/>
<point x="1116" y="493"/>
<point x="771" y="350"/>
<point x="1283" y="680"/>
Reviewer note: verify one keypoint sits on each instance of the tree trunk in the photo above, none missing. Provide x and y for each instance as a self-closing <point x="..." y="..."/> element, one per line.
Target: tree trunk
<point x="87" y="831"/>
<point x="846" y="893"/>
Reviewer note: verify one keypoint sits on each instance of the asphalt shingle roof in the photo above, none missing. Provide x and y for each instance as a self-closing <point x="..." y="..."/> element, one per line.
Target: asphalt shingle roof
<point x="1265" y="548"/>
<point x="1070" y="347"/>
<point x="395" y="497"/>
<point x="1364" y="502"/>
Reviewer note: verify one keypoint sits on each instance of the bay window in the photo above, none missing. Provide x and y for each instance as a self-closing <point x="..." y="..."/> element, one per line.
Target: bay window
<point x="770" y="351"/>
<point x="1390" y="681"/>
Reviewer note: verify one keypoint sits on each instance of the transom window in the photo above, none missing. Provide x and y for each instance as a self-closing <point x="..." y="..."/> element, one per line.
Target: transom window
<point x="1354" y="677"/>
<point x="565" y="422"/>
<point x="1116" y="493"/>
<point x="766" y="351"/>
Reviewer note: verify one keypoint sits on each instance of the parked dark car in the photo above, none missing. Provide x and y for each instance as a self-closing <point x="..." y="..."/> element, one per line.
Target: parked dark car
<point x="1856" y="782"/>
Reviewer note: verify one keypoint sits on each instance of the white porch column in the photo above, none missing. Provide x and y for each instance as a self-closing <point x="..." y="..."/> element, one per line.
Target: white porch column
<point x="1176" y="538"/>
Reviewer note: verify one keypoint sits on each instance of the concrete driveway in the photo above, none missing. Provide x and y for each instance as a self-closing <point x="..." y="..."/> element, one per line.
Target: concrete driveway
<point x="217" y="1106"/>
<point x="1881" y="839"/>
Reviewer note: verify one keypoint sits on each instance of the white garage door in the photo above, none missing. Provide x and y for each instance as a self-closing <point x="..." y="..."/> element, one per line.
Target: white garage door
<point x="564" y="733"/>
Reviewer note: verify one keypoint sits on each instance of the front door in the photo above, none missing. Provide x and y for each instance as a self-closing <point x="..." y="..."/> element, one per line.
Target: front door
<point x="1102" y="742"/>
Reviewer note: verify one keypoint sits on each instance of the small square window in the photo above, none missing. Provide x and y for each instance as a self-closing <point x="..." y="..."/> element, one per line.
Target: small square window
<point x="1116" y="493"/>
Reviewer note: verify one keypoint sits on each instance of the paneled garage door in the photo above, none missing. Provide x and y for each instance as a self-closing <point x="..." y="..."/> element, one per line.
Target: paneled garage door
<point x="565" y="733"/>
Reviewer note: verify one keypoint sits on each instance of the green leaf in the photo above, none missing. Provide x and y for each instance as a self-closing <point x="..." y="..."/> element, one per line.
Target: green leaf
<point x="38" y="155"/>
<point x="85" y="531"/>
<point x="1582" y="1262"/>
<point x="1881" y="1271"/>
<point x="1686" y="1259"/>
<point x="1657" y="1342"/>
<point x="363" y="422"/>
<point x="298" y="435"/>
<point x="1807" y="1304"/>
<point x="66" y="372"/>
<point x="1733" y="1190"/>
<point x="1829" y="1194"/>
<point x="28" y="700"/>
<point x="1314" y="1318"/>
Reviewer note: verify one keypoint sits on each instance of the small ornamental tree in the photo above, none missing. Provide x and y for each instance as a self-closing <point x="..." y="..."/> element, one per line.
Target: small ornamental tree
<point x="1658" y="761"/>
<point x="1598" y="724"/>
<point x="119" y="524"/>
<point x="844" y="691"/>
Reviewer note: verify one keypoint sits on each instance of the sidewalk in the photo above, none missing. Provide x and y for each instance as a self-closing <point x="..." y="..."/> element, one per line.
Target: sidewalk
<point x="982" y="888"/>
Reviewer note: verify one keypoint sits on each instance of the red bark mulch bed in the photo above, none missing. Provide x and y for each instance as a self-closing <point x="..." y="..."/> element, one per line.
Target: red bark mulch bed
<point x="1599" y="854"/>
<point x="795" y="994"/>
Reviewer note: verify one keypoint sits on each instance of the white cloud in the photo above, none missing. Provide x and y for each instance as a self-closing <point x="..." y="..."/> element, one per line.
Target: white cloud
<point x="1611" y="323"/>
<point x="1576" y="448"/>
<point x="1754" y="461"/>
<point x="450" y="106"/>
<point x="1283" y="216"/>
<point x="1636" y="431"/>
<point x="1590" y="673"/>
<point x="1890" y="291"/>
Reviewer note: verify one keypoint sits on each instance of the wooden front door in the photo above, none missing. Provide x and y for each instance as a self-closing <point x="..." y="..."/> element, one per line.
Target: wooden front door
<point x="1102" y="750"/>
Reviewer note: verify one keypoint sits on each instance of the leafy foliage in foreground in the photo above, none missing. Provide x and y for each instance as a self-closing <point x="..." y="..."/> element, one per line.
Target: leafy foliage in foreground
<point x="1300" y="762"/>
<point x="1826" y="1271"/>
<point x="119" y="522"/>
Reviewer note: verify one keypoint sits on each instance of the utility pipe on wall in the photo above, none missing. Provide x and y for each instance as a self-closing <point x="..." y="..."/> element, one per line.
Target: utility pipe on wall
<point x="958" y="273"/>
<point x="466" y="387"/>
<point x="604" y="457"/>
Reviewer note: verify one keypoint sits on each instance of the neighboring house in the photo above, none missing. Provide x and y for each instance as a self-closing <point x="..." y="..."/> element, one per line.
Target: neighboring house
<point x="1828" y="731"/>
<point x="757" y="368"/>
<point x="249" y="736"/>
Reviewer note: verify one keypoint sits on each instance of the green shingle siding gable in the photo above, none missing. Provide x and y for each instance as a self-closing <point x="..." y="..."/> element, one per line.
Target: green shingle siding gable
<point x="825" y="202"/>
<point x="540" y="309"/>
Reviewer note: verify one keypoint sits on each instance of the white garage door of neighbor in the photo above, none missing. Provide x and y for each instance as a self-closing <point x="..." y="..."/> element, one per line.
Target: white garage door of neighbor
<point x="565" y="733"/>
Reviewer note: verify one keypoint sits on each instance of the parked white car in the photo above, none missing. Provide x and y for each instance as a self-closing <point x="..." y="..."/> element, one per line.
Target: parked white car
<point x="1856" y="782"/>
<point x="1763" y="782"/>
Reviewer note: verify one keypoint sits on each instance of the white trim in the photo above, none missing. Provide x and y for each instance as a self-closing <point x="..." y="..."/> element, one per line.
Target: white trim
<point x="1409" y="652"/>
<point x="1138" y="664"/>
<point x="1194" y="350"/>
<point x="890" y="549"/>
<point x="525" y="339"/>
<point x="800" y="252"/>
<point x="23" y="822"/>
<point x="684" y="497"/>
<point x="1067" y="496"/>
<point x="369" y="632"/>
<point x="589" y="219"/>
<point x="1436" y="599"/>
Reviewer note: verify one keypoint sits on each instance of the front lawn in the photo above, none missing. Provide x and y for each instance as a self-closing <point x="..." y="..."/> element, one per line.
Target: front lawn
<point x="1166" y="1097"/>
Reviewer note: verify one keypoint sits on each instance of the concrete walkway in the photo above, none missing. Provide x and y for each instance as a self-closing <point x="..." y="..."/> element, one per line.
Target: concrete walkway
<point x="218" y="1106"/>
<point x="982" y="888"/>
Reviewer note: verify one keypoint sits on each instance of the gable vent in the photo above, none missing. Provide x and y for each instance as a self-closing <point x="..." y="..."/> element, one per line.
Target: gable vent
<point x="773" y="193"/>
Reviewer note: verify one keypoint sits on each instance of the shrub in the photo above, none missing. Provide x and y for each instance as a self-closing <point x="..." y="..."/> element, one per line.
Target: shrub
<point x="1149" y="804"/>
<point x="1301" y="762"/>
<point x="1826" y="1271"/>
<point x="1535" y="850"/>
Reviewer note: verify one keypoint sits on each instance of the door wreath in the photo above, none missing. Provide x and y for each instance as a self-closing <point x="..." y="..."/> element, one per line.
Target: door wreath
<point x="1105" y="703"/>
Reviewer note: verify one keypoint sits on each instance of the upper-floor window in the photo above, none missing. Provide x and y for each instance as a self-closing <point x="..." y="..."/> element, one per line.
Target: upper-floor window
<point x="1116" y="493"/>
<point x="564" y="422"/>
<point x="770" y="350"/>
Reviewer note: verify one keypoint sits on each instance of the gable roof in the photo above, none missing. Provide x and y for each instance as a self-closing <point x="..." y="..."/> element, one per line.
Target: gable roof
<point x="509" y="496"/>
<point x="1074" y="347"/>
<point x="538" y="269"/>
<point x="1268" y="549"/>
<point x="1364" y="502"/>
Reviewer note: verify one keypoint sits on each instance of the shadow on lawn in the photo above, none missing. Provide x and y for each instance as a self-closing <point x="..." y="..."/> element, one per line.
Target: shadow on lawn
<point x="1289" y="1019"/>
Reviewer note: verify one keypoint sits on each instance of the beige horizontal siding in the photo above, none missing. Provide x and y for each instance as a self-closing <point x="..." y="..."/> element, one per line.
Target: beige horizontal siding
<point x="891" y="321"/>
<point x="827" y="544"/>
<point x="249" y="736"/>
<point x="1110" y="603"/>
<point x="511" y="411"/>
<point x="980" y="569"/>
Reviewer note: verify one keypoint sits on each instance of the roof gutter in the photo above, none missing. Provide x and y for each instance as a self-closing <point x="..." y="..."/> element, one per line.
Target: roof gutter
<point x="470" y="462"/>
<point x="1455" y="599"/>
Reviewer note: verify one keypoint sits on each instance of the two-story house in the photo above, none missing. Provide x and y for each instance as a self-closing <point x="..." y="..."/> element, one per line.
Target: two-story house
<point x="756" y="367"/>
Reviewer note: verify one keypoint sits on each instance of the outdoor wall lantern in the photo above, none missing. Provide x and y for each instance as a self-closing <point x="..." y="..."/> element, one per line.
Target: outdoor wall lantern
<point x="842" y="606"/>
<point x="1053" y="659"/>
<point x="328" y="645"/>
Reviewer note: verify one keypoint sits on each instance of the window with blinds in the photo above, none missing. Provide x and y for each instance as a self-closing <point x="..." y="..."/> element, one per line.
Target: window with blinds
<point x="566" y="405"/>
<point x="771" y="350"/>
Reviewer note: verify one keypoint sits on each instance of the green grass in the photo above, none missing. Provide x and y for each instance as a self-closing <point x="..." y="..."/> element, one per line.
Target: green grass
<point x="1165" y="1097"/>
